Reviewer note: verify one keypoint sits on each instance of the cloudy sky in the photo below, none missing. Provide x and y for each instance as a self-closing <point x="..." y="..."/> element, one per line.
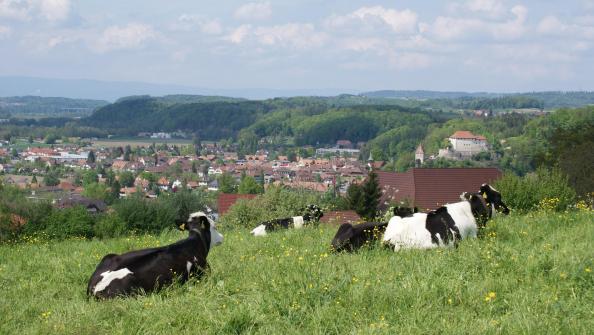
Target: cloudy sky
<point x="471" y="45"/>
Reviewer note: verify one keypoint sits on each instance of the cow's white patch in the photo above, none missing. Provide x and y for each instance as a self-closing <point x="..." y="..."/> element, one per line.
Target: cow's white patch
<point x="298" y="222"/>
<point x="195" y="215"/>
<point x="259" y="231"/>
<point x="188" y="266"/>
<point x="461" y="213"/>
<point x="108" y="277"/>
<point x="493" y="189"/>
<point x="493" y="211"/>
<point x="408" y="232"/>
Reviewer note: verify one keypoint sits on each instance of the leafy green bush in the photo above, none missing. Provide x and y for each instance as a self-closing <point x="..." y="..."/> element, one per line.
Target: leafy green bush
<point x="143" y="215"/>
<point x="544" y="189"/>
<point x="110" y="225"/>
<point x="69" y="222"/>
<point x="277" y="202"/>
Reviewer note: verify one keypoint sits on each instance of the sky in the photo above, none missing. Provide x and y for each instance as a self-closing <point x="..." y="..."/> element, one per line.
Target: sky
<point x="457" y="45"/>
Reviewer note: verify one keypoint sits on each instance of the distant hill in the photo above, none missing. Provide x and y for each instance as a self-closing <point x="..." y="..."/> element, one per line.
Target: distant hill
<point x="420" y="94"/>
<point x="48" y="107"/>
<point x="548" y="100"/>
<point x="113" y="90"/>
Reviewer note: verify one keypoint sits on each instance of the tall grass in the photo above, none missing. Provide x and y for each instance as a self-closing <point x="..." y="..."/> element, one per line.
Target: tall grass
<point x="527" y="274"/>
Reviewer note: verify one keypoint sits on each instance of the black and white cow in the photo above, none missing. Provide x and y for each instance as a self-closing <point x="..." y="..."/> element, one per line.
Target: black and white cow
<point x="352" y="237"/>
<point x="313" y="213"/>
<point x="493" y="198"/>
<point x="149" y="269"/>
<point x="445" y="225"/>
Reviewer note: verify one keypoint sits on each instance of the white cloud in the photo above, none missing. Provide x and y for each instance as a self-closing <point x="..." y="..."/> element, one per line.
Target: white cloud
<point x="239" y="34"/>
<point x="550" y="25"/>
<point x="15" y="9"/>
<point x="5" y="32"/>
<point x="24" y="10"/>
<point x="290" y="35"/>
<point x="491" y="7"/>
<point x="186" y="22"/>
<point x="296" y="35"/>
<point x="131" y="36"/>
<point x="54" y="10"/>
<point x="461" y="28"/>
<point x="254" y="11"/>
<point x="400" y="22"/>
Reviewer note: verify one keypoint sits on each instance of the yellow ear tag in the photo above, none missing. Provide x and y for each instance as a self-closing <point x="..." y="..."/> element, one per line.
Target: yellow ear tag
<point x="485" y="195"/>
<point x="182" y="226"/>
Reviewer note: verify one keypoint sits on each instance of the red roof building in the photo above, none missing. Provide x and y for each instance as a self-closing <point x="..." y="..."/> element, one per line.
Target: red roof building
<point x="466" y="135"/>
<point x="225" y="201"/>
<point x="431" y="188"/>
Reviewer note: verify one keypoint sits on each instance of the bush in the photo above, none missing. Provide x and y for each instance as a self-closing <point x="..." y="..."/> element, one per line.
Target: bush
<point x="544" y="189"/>
<point x="69" y="222"/>
<point x="142" y="215"/>
<point x="110" y="225"/>
<point x="277" y="202"/>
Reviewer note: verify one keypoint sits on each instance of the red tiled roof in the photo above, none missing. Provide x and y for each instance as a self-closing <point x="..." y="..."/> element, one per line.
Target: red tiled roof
<point x="465" y="134"/>
<point x="225" y="201"/>
<point x="340" y="217"/>
<point x="431" y="188"/>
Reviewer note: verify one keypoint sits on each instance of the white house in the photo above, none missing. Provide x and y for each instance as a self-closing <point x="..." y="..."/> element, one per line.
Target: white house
<point x="464" y="144"/>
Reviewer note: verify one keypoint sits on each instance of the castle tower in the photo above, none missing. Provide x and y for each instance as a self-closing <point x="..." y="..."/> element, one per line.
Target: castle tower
<point x="419" y="156"/>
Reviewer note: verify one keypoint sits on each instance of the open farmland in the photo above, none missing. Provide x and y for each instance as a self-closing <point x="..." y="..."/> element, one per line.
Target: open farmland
<point x="137" y="142"/>
<point x="527" y="274"/>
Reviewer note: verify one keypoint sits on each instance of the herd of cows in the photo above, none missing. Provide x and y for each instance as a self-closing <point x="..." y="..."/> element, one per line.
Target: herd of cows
<point x="148" y="269"/>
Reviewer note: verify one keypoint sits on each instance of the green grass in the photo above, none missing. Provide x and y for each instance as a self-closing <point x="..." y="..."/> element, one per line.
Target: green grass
<point x="539" y="268"/>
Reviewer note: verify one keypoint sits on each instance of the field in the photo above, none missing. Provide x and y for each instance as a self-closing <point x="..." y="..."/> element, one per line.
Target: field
<point x="137" y="142"/>
<point x="525" y="275"/>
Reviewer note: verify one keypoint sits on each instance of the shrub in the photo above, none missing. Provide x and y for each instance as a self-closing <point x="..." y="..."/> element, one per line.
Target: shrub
<point x="544" y="189"/>
<point x="277" y="202"/>
<point x="69" y="222"/>
<point x="110" y="225"/>
<point x="142" y="215"/>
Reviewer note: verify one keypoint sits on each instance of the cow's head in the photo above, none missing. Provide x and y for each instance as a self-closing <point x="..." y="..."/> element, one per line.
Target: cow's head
<point x="479" y="207"/>
<point x="199" y="223"/>
<point x="312" y="213"/>
<point x="403" y="211"/>
<point x="493" y="198"/>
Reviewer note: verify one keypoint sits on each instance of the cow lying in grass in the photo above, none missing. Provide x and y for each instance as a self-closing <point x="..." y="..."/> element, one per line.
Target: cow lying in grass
<point x="445" y="225"/>
<point x="312" y="213"/>
<point x="149" y="269"/>
<point x="352" y="237"/>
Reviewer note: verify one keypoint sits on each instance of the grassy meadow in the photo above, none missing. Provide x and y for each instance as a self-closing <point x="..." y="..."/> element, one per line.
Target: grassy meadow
<point x="526" y="275"/>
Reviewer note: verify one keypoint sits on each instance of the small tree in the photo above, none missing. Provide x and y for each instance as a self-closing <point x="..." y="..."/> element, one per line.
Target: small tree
<point x="354" y="198"/>
<point x="249" y="185"/>
<point x="371" y="195"/>
<point x="91" y="157"/>
<point x="227" y="183"/>
<point x="51" y="179"/>
<point x="127" y="179"/>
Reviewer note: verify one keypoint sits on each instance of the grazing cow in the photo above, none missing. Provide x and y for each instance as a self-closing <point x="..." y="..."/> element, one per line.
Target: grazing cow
<point x="312" y="213"/>
<point x="350" y="238"/>
<point x="149" y="269"/>
<point x="445" y="225"/>
<point x="493" y="198"/>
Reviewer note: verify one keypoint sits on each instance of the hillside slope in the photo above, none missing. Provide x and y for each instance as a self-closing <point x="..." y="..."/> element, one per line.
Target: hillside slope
<point x="526" y="275"/>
